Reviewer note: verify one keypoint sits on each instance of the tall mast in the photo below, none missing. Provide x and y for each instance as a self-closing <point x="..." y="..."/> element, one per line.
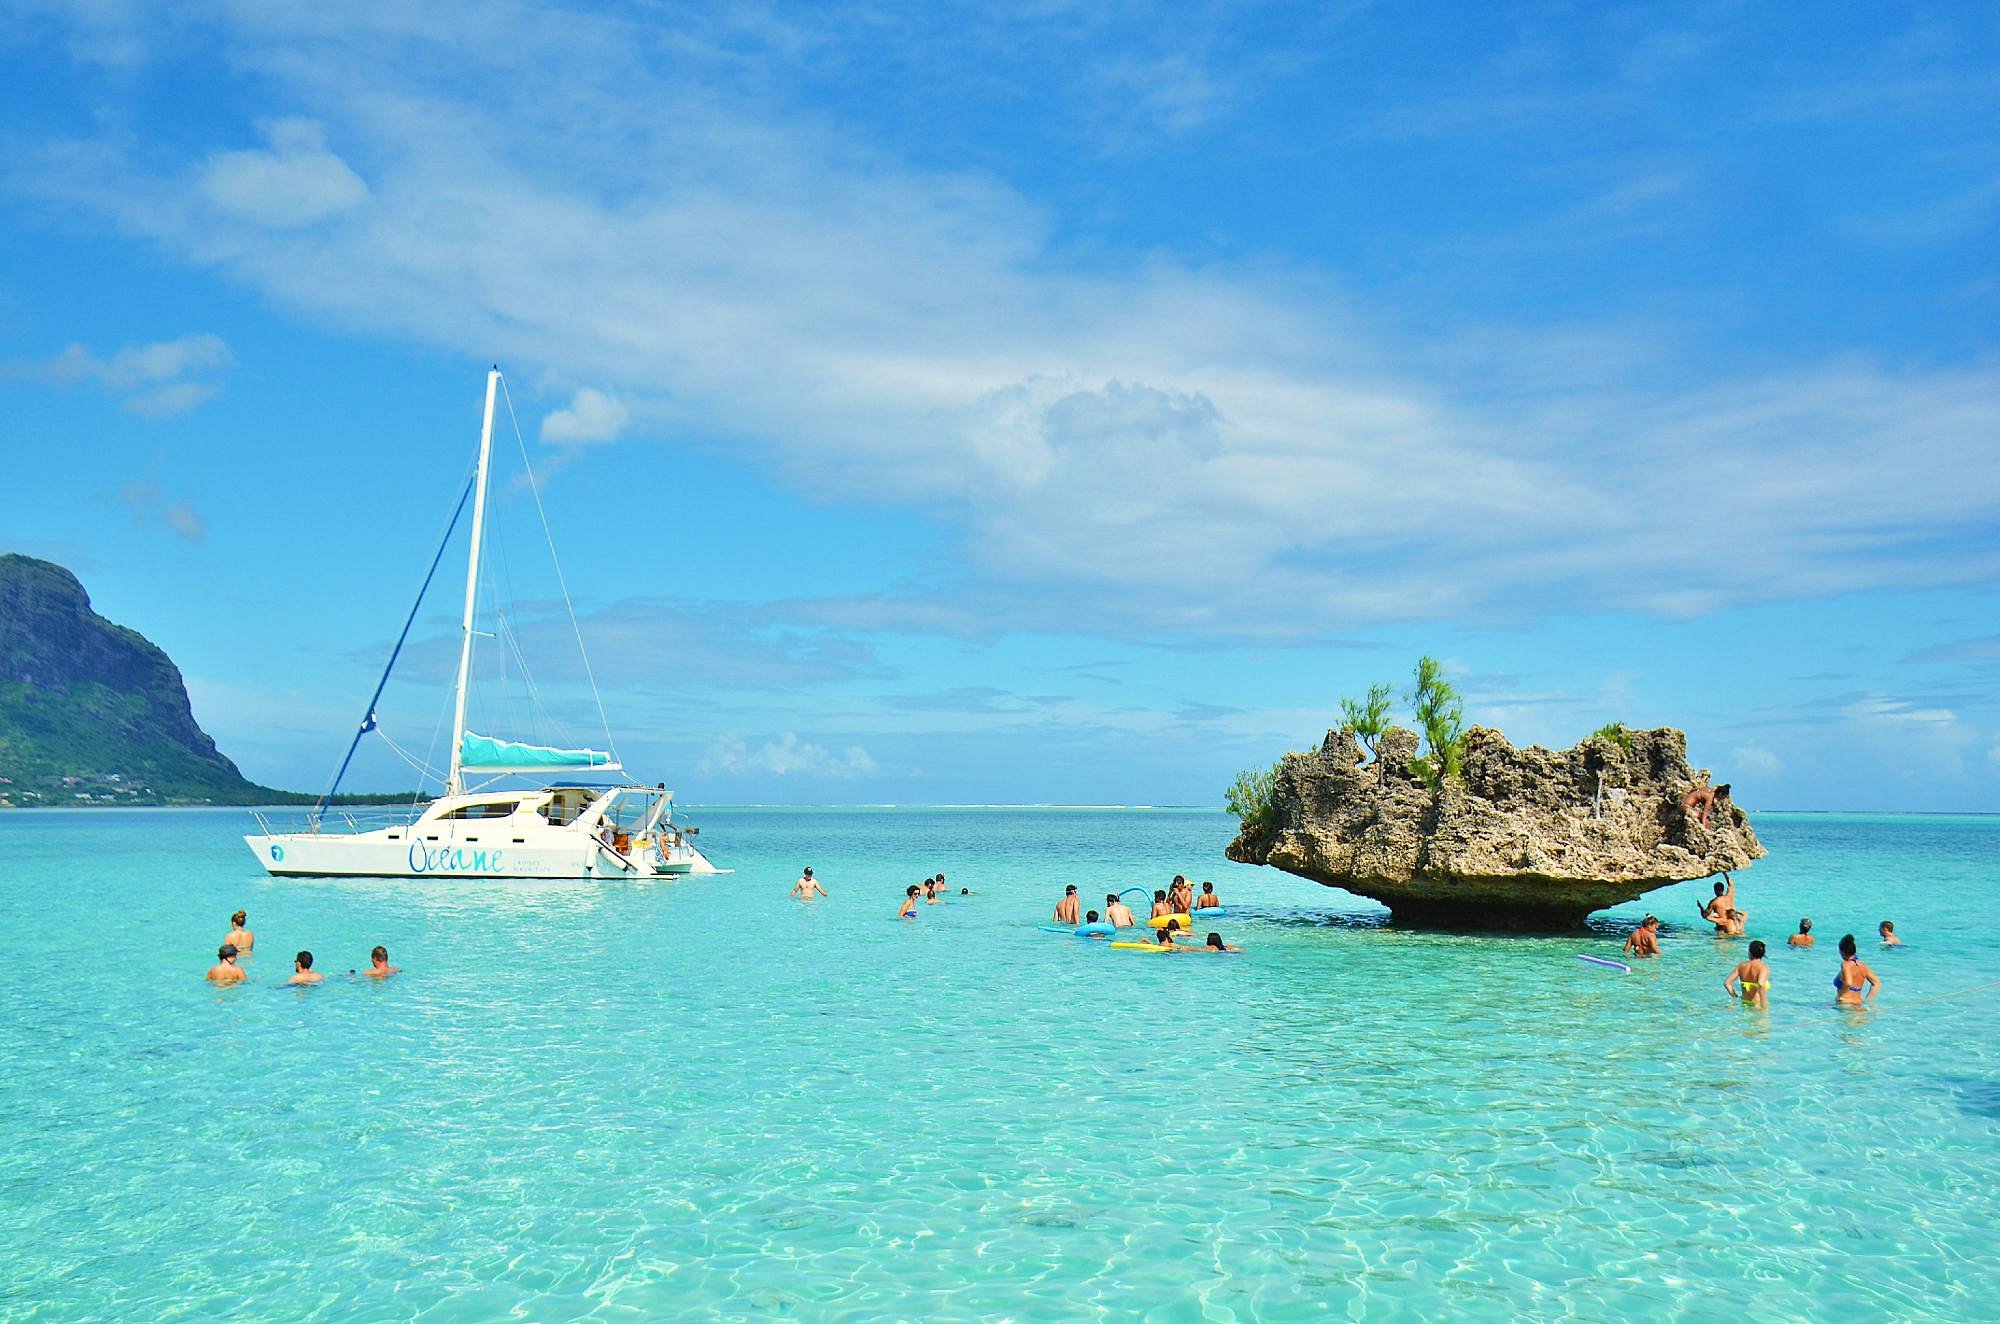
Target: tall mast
<point x="454" y="785"/>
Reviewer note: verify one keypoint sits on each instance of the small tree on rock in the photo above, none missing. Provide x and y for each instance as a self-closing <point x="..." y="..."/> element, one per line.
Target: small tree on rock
<point x="1440" y="715"/>
<point x="1368" y="718"/>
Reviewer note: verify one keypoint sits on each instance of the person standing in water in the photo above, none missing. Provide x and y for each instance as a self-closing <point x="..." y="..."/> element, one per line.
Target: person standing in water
<point x="1803" y="938"/>
<point x="1160" y="905"/>
<point x="1853" y="977"/>
<point x="807" y="887"/>
<point x="378" y="965"/>
<point x="225" y="970"/>
<point x="1716" y="911"/>
<point x="1752" y="978"/>
<point x="1180" y="896"/>
<point x="239" y="937"/>
<point x="1117" y="912"/>
<point x="1208" y="900"/>
<point x="302" y="970"/>
<point x="1644" y="940"/>
<point x="1069" y="907"/>
<point x="1888" y="932"/>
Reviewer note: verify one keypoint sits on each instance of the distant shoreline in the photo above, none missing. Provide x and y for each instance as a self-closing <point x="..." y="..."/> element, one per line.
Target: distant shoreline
<point x="1038" y="807"/>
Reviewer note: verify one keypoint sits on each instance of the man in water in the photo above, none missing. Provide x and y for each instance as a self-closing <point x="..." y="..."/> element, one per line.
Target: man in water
<point x="1803" y="938"/>
<point x="807" y="887"/>
<point x="1752" y="977"/>
<point x="302" y="970"/>
<point x="1069" y="907"/>
<point x="1888" y="932"/>
<point x="1716" y="910"/>
<point x="1117" y="912"/>
<point x="1160" y="906"/>
<point x="378" y="965"/>
<point x="225" y="970"/>
<point x="1644" y="940"/>
<point x="1208" y="900"/>
<point x="239" y="937"/>
<point x="1090" y="917"/>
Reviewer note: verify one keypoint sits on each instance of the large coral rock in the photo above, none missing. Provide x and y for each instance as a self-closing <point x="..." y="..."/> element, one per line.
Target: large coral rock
<point x="1526" y="839"/>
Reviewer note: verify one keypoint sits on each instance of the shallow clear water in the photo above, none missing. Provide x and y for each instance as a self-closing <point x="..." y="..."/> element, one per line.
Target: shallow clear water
<point x="702" y="1098"/>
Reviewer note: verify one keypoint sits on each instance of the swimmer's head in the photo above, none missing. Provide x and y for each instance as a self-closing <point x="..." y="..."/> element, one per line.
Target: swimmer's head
<point x="1805" y="926"/>
<point x="1885" y="927"/>
<point x="940" y="878"/>
<point x="1173" y="926"/>
<point x="965" y="891"/>
<point x="1206" y="888"/>
<point x="1110" y="898"/>
<point x="809" y="871"/>
<point x="1847" y="946"/>
<point x="304" y="960"/>
<point x="1090" y="917"/>
<point x="1736" y="914"/>
<point x="236" y="920"/>
<point x="1159" y="895"/>
<point x="1720" y="889"/>
<point x="914" y="889"/>
<point x="380" y="956"/>
<point x="1215" y="941"/>
<point x="226" y="952"/>
<point x="1757" y="950"/>
<point x="1650" y="922"/>
<point x="1070" y="890"/>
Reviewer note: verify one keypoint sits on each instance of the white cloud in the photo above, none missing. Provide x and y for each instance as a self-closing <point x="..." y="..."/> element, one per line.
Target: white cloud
<point x="1755" y="759"/>
<point x="292" y="183"/>
<point x="1164" y="448"/>
<point x="591" y="415"/>
<point x="149" y="505"/>
<point x="159" y="379"/>
<point x="786" y="756"/>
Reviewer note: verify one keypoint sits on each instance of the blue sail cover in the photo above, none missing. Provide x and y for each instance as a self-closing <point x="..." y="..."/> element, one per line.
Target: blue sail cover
<point x="478" y="753"/>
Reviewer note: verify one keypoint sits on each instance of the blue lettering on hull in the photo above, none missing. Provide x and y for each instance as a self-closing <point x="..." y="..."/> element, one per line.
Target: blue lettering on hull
<point x="453" y="859"/>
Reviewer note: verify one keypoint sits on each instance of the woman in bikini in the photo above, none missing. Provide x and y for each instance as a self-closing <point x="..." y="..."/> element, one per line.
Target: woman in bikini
<point x="1751" y="981"/>
<point x="1853" y="976"/>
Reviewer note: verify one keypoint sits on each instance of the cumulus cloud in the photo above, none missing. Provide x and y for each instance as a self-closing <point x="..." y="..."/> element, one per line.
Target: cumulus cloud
<point x="292" y="182"/>
<point x="1165" y="448"/>
<point x="157" y="380"/>
<point x="1755" y="759"/>
<point x="786" y="756"/>
<point x="591" y="415"/>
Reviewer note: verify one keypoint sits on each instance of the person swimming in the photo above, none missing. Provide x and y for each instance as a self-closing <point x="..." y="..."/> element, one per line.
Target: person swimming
<point x="239" y="937"/>
<point x="931" y="891"/>
<point x="1160" y="905"/>
<point x="1169" y="931"/>
<point x="302" y="970"/>
<point x="378" y="965"/>
<point x="1117" y="912"/>
<point x="1216" y="944"/>
<point x="807" y="887"/>
<point x="908" y="910"/>
<point x="1069" y="907"/>
<point x="1644" y="940"/>
<point x="1888" y="932"/>
<point x="225" y="971"/>
<point x="1208" y="900"/>
<point x="1853" y="977"/>
<point x="1751" y="977"/>
<point x="1804" y="937"/>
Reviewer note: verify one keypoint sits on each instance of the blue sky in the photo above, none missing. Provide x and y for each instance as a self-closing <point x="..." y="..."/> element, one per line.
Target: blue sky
<point x="1068" y="404"/>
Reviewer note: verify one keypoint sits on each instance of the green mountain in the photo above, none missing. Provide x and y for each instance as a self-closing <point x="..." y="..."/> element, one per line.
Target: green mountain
<point x="91" y="712"/>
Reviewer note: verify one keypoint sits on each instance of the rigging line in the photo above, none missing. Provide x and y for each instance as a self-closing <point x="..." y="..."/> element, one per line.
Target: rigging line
<point x="423" y="769"/>
<point x="368" y="718"/>
<point x="568" y="604"/>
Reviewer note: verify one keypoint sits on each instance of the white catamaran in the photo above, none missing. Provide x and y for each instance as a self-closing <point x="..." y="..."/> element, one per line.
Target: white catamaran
<point x="559" y="829"/>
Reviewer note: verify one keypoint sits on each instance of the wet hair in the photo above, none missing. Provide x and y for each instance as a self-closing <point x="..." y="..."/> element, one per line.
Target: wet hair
<point x="1847" y="947"/>
<point x="809" y="871"/>
<point x="940" y="878"/>
<point x="1172" y="926"/>
<point x="1886" y="926"/>
<point x="1179" y="879"/>
<point x="914" y="889"/>
<point x="1208" y="887"/>
<point x="1649" y="921"/>
<point x="1805" y="926"/>
<point x="1110" y="898"/>
<point x="1159" y="895"/>
<point x="1215" y="941"/>
<point x="965" y="891"/>
<point x="379" y="954"/>
<point x="304" y="960"/>
<point x="237" y="919"/>
<point x="1070" y="890"/>
<point x="1090" y="917"/>
<point x="1757" y="950"/>
<point x="1720" y="889"/>
<point x="224" y="952"/>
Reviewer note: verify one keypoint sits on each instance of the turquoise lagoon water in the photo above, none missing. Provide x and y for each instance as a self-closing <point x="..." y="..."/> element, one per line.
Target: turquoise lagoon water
<point x="701" y="1099"/>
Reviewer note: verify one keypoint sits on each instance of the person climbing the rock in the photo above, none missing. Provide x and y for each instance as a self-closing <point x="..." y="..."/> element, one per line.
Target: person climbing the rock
<point x="1700" y="802"/>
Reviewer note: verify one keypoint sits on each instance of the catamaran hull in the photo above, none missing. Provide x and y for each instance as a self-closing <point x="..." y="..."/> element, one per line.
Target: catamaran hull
<point x="306" y="855"/>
